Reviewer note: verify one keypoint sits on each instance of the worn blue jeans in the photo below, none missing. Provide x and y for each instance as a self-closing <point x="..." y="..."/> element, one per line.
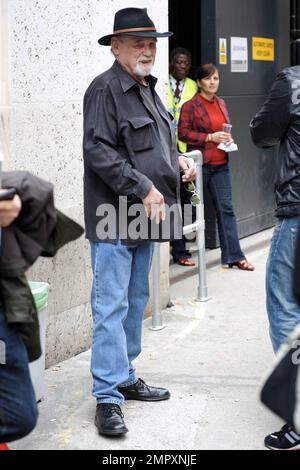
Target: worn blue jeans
<point x="119" y="296"/>
<point x="217" y="180"/>
<point x="18" y="408"/>
<point x="283" y="309"/>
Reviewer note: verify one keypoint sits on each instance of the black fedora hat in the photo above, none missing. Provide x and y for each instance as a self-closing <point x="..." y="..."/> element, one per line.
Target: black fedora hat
<point x="133" y="22"/>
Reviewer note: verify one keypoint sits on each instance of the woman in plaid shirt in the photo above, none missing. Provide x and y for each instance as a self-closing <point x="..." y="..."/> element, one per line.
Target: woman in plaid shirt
<point x="200" y="126"/>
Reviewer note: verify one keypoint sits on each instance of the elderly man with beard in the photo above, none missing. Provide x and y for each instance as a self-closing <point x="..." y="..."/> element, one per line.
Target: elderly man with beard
<point x="130" y="160"/>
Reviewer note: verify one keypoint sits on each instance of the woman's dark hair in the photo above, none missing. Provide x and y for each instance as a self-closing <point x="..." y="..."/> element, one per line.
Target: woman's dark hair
<point x="206" y="71"/>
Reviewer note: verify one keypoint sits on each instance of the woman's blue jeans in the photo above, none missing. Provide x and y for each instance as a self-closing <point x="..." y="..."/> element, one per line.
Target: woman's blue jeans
<point x="217" y="180"/>
<point x="119" y="296"/>
<point x="283" y="309"/>
<point x="18" y="408"/>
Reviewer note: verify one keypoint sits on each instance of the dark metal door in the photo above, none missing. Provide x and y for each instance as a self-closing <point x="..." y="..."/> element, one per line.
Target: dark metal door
<point x="253" y="170"/>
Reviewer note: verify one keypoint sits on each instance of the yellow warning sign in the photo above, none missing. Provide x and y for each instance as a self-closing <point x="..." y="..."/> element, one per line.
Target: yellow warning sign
<point x="263" y="49"/>
<point x="223" y="51"/>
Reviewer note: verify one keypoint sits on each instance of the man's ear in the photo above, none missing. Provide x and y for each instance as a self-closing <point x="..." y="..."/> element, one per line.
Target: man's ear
<point x="115" y="46"/>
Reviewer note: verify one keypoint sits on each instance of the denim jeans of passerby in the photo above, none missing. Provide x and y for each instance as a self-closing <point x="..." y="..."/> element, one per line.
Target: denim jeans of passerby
<point x="217" y="180"/>
<point x="18" y="408"/>
<point x="119" y="296"/>
<point x="283" y="309"/>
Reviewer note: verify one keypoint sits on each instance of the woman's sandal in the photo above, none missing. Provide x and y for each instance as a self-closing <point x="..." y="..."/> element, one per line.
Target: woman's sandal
<point x="244" y="265"/>
<point x="185" y="262"/>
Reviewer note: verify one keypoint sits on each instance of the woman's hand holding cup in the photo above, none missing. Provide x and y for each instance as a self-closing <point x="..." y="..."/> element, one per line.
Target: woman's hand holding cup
<point x="221" y="137"/>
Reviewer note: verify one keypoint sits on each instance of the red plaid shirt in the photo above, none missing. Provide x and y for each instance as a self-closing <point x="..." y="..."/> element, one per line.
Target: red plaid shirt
<point x="195" y="124"/>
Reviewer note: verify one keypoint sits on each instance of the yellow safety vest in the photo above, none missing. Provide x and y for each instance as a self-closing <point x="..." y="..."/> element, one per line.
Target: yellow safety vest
<point x="189" y="90"/>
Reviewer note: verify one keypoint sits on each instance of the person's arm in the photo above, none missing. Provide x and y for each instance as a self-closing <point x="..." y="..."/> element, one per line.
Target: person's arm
<point x="100" y="147"/>
<point x="9" y="211"/>
<point x="186" y="132"/>
<point x="271" y="122"/>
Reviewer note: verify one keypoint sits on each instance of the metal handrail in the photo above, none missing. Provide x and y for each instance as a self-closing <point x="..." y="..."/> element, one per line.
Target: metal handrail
<point x="199" y="227"/>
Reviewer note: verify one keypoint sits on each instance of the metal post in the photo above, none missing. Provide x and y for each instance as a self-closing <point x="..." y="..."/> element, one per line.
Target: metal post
<point x="157" y="319"/>
<point x="199" y="227"/>
<point x="202" y="283"/>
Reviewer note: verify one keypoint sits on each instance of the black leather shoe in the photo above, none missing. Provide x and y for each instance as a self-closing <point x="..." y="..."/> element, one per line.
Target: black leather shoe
<point x="144" y="392"/>
<point x="109" y="419"/>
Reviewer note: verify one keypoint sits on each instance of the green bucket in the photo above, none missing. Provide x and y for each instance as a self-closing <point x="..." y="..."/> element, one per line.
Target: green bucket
<point x="40" y="291"/>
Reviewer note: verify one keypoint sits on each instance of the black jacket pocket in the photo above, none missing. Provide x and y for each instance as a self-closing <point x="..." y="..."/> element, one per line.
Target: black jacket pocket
<point x="141" y="133"/>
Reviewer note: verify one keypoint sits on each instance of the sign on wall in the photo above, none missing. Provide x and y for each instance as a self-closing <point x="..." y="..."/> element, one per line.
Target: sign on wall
<point x="263" y="49"/>
<point x="239" y="54"/>
<point x="223" y="51"/>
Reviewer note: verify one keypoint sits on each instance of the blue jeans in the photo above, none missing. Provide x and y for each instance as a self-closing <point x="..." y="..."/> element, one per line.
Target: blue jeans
<point x="217" y="180"/>
<point x="119" y="296"/>
<point x="283" y="309"/>
<point x="18" y="408"/>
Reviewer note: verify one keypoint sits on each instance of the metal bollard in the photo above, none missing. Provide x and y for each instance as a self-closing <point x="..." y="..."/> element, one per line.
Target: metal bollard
<point x="199" y="227"/>
<point x="202" y="279"/>
<point x="157" y="319"/>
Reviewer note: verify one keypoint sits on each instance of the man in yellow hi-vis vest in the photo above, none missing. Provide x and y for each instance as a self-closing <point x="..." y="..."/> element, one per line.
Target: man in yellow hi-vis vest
<point x="181" y="89"/>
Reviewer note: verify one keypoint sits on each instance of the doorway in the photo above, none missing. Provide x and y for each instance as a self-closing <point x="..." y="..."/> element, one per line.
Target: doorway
<point x="185" y="22"/>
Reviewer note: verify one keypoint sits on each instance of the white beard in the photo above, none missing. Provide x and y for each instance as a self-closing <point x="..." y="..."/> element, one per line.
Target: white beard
<point x="143" y="70"/>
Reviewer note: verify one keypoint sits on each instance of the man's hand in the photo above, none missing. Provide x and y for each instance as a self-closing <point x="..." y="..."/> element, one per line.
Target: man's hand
<point x="9" y="211"/>
<point x="155" y="205"/>
<point x="189" y="167"/>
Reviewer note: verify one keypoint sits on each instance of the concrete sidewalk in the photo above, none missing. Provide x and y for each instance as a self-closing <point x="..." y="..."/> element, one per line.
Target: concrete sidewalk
<point x="211" y="356"/>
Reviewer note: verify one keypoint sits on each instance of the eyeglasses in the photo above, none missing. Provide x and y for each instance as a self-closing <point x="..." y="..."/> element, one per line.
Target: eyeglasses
<point x="195" y="198"/>
<point x="191" y="188"/>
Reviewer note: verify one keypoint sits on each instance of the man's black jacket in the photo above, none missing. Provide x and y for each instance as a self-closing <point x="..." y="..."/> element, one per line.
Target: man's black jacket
<point x="123" y="154"/>
<point x="278" y="122"/>
<point x="40" y="229"/>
